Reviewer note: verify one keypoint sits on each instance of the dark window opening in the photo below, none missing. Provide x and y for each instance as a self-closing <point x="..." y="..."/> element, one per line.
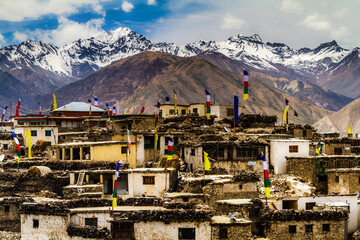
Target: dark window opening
<point x="33" y="133"/>
<point x="310" y="205"/>
<point x="309" y="228"/>
<point x="7" y="208"/>
<point x="186" y="233"/>
<point x="123" y="150"/>
<point x="337" y="179"/>
<point x="240" y="186"/>
<point x="148" y="180"/>
<point x="6" y="146"/>
<point x="183" y="111"/>
<point x="48" y="133"/>
<point x="337" y="151"/>
<point x="185" y="199"/>
<point x="195" y="110"/>
<point x="192" y="153"/>
<point x="292" y="228"/>
<point x="91" y="222"/>
<point x="326" y="227"/>
<point x="230" y="112"/>
<point x="223" y="233"/>
<point x="35" y="223"/>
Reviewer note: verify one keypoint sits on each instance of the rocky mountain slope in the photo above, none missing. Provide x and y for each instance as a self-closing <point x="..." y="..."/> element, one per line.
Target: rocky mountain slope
<point x="142" y="79"/>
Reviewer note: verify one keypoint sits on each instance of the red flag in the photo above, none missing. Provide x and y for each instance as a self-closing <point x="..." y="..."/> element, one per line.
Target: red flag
<point x="18" y="107"/>
<point x="142" y="110"/>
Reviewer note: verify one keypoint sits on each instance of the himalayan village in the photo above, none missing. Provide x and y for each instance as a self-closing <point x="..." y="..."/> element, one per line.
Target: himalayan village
<point x="198" y="171"/>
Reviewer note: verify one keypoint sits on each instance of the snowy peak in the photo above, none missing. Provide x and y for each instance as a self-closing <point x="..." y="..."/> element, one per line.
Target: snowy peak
<point x="240" y="37"/>
<point x="329" y="46"/>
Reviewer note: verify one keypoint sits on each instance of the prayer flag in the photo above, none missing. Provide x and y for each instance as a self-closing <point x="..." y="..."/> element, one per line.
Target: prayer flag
<point x="266" y="177"/>
<point x="52" y="130"/>
<point x="54" y="103"/>
<point x="114" y="111"/>
<point x="89" y="101"/>
<point x="208" y="109"/>
<point x="128" y="142"/>
<point x="175" y="103"/>
<point x="170" y="151"/>
<point x="157" y="114"/>
<point x="349" y="130"/>
<point x="18" y="107"/>
<point x="142" y="110"/>
<point x="295" y="113"/>
<point x="286" y="115"/>
<point x="207" y="164"/>
<point x="156" y="125"/>
<point x="17" y="146"/>
<point x="108" y="109"/>
<point x="236" y="109"/>
<point x="167" y="100"/>
<point x="28" y="134"/>
<point x="114" y="203"/>
<point x="96" y="103"/>
<point x="318" y="147"/>
<point x="117" y="108"/>
<point x="3" y="114"/>
<point x="246" y="85"/>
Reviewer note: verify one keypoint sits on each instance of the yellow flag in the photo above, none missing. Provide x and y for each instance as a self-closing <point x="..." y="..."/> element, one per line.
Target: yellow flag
<point x="28" y="134"/>
<point x="54" y="104"/>
<point x="349" y="130"/>
<point x="207" y="162"/>
<point x="284" y="114"/>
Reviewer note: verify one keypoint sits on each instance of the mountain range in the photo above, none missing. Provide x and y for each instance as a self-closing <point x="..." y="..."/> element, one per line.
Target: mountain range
<point x="326" y="76"/>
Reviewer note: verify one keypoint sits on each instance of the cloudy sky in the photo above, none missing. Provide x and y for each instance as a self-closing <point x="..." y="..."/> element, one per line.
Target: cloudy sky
<point x="297" y="23"/>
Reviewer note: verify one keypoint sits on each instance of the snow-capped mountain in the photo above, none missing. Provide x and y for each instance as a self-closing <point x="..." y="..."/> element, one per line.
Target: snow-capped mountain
<point x="57" y="66"/>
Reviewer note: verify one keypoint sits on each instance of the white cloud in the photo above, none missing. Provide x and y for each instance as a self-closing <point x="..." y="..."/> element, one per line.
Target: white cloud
<point x="18" y="10"/>
<point x="315" y="22"/>
<point x="160" y="20"/>
<point x="151" y="2"/>
<point x="18" y="36"/>
<point x="127" y="6"/>
<point x="2" y="40"/>
<point x="229" y="22"/>
<point x="147" y="30"/>
<point x="69" y="31"/>
<point x="291" y="6"/>
<point x="340" y="33"/>
<point x="341" y="13"/>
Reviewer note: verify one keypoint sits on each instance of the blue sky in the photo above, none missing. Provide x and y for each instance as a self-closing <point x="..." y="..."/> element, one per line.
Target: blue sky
<point x="297" y="23"/>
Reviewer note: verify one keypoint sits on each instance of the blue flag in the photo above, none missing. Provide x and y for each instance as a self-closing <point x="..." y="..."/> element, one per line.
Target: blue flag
<point x="236" y="109"/>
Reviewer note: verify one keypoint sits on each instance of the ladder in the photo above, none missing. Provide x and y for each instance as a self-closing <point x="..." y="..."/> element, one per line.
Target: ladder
<point x="80" y="180"/>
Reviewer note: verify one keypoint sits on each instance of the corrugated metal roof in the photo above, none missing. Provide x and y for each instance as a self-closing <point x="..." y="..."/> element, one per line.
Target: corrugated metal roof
<point x="79" y="107"/>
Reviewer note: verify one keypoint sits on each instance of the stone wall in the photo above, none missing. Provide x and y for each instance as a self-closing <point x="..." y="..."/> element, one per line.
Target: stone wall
<point x="280" y="230"/>
<point x="234" y="232"/>
<point x="348" y="181"/>
<point x="304" y="167"/>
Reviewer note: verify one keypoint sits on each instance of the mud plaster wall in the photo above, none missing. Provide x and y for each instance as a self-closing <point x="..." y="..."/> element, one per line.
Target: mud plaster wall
<point x="241" y="209"/>
<point x="10" y="221"/>
<point x="162" y="231"/>
<point x="302" y="167"/>
<point x="78" y="219"/>
<point x="231" y="166"/>
<point x="234" y="232"/>
<point x="349" y="182"/>
<point x="330" y="148"/>
<point x="50" y="227"/>
<point x="216" y="191"/>
<point x="280" y="230"/>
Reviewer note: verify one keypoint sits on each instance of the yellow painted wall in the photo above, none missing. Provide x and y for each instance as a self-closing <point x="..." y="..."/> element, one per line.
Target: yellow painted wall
<point x="166" y="109"/>
<point x="113" y="153"/>
<point x="200" y="109"/>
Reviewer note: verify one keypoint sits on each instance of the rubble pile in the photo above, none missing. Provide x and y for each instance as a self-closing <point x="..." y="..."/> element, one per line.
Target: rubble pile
<point x="40" y="146"/>
<point x="307" y="215"/>
<point x="98" y="136"/>
<point x="246" y="176"/>
<point x="88" y="232"/>
<point x="257" y="121"/>
<point x="176" y="215"/>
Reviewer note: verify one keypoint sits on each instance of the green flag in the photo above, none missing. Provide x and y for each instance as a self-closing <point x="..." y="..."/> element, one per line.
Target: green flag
<point x="295" y="113"/>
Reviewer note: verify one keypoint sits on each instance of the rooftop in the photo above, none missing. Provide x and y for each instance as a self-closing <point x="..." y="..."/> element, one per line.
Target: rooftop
<point x="79" y="107"/>
<point x="227" y="220"/>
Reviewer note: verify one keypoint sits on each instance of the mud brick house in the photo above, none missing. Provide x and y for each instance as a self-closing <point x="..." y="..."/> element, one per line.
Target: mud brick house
<point x="343" y="180"/>
<point x="222" y="227"/>
<point x="280" y="149"/>
<point x="225" y="150"/>
<point x="313" y="168"/>
<point x="7" y="143"/>
<point x="146" y="182"/>
<point x="337" y="146"/>
<point x="292" y="224"/>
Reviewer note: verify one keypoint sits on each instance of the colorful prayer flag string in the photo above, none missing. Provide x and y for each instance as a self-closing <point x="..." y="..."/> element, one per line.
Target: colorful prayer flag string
<point x="246" y="85"/>
<point x="17" y="146"/>
<point x="170" y="150"/>
<point x="114" y="203"/>
<point x="208" y="109"/>
<point x="266" y="177"/>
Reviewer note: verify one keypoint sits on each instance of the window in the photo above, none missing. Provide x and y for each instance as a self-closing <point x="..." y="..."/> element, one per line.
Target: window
<point x="310" y="205"/>
<point x="91" y="222"/>
<point x="149" y="142"/>
<point x="183" y="112"/>
<point x="195" y="110"/>
<point x="192" y="153"/>
<point x="48" y="133"/>
<point x="337" y="179"/>
<point x="33" y="133"/>
<point x="359" y="179"/>
<point x="326" y="227"/>
<point x="308" y="228"/>
<point x="35" y="223"/>
<point x="294" y="149"/>
<point x="230" y="112"/>
<point x="292" y="228"/>
<point x="6" y="146"/>
<point x="337" y="151"/>
<point x="223" y="233"/>
<point x="186" y="233"/>
<point x="172" y="112"/>
<point x="7" y="208"/>
<point x="148" y="180"/>
<point x="240" y="186"/>
<point x="123" y="150"/>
